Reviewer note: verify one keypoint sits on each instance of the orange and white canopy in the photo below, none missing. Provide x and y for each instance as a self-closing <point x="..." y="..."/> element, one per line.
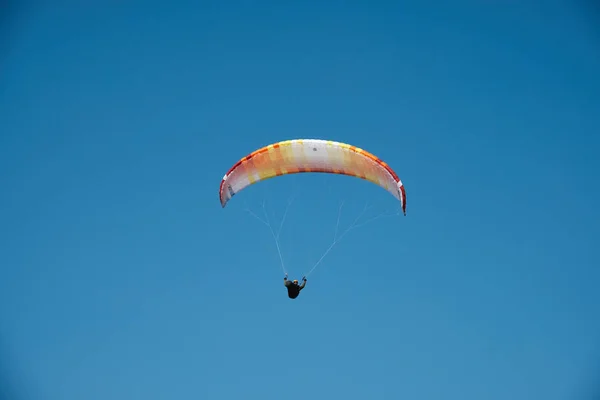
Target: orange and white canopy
<point x="310" y="155"/>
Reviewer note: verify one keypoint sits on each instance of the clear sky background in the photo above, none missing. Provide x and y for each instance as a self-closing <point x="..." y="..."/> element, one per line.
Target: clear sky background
<point x="123" y="278"/>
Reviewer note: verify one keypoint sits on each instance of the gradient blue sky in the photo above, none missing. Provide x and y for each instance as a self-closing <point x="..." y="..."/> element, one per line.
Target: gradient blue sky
<point x="122" y="277"/>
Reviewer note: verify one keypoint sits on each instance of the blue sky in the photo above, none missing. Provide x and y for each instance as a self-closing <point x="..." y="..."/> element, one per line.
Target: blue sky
<point x="123" y="278"/>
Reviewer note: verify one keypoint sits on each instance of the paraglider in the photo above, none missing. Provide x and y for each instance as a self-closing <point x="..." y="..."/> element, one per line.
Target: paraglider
<point x="309" y="155"/>
<point x="293" y="288"/>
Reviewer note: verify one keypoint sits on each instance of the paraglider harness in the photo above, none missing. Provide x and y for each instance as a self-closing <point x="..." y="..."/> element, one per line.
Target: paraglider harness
<point x="292" y="287"/>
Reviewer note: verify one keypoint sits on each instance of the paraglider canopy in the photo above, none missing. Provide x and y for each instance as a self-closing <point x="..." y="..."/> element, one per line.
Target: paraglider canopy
<point x="310" y="155"/>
